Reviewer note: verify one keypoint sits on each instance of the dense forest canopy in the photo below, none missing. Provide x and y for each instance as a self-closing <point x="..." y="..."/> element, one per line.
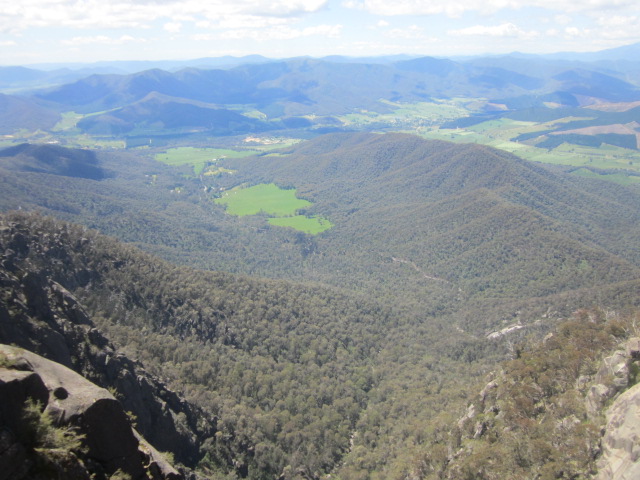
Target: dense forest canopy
<point x="425" y="274"/>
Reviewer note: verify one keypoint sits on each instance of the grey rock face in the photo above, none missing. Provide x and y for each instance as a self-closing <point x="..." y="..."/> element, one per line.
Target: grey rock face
<point x="621" y="444"/>
<point x="39" y="312"/>
<point x="71" y="400"/>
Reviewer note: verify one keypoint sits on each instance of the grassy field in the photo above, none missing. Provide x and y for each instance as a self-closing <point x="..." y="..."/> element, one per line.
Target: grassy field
<point x="199" y="158"/>
<point x="498" y="134"/>
<point x="214" y="171"/>
<point x="619" y="178"/>
<point x="280" y="204"/>
<point x="408" y="115"/>
<point x="69" y="121"/>
<point x="266" y="198"/>
<point x="311" y="225"/>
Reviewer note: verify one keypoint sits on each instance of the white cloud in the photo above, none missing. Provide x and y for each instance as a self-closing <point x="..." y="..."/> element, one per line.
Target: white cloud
<point x="284" y="33"/>
<point x="100" y="40"/>
<point x="231" y="22"/>
<point x="504" y="30"/>
<point x="411" y="32"/>
<point x="618" y="21"/>
<point x="458" y="7"/>
<point x="563" y="19"/>
<point x="173" y="27"/>
<point x="575" y="32"/>
<point x="203" y="37"/>
<point x="23" y="14"/>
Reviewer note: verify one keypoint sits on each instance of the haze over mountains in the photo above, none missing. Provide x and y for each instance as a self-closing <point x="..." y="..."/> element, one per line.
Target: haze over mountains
<point x="353" y="352"/>
<point x="302" y="86"/>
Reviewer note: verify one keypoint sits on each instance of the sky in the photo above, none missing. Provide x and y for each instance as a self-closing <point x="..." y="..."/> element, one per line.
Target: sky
<point x="61" y="31"/>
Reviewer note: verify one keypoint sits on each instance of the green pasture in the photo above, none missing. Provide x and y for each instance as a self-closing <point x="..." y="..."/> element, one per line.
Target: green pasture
<point x="214" y="171"/>
<point x="407" y="115"/>
<point x="68" y="121"/>
<point x="619" y="178"/>
<point x="87" y="141"/>
<point x="266" y="198"/>
<point x="311" y="225"/>
<point x="457" y="135"/>
<point x="199" y="158"/>
<point x="498" y="134"/>
<point x="281" y="205"/>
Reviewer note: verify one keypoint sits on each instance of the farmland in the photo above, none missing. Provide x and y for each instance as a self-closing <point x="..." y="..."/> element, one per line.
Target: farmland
<point x="199" y="158"/>
<point x="409" y="115"/>
<point x="499" y="134"/>
<point x="281" y="205"/>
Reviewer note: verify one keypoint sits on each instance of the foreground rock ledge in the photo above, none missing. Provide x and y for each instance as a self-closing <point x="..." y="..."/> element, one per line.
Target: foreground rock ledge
<point x="71" y="400"/>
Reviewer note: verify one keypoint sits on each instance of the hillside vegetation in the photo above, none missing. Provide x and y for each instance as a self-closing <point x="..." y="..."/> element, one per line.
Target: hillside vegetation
<point x="448" y="225"/>
<point x="286" y="370"/>
<point x="301" y="381"/>
<point x="431" y="272"/>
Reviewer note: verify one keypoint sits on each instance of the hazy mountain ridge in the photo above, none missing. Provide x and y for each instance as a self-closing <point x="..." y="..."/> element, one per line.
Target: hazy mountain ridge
<point x="469" y="217"/>
<point x="169" y="114"/>
<point x="484" y="224"/>
<point x="22" y="113"/>
<point x="317" y="89"/>
<point x="53" y="159"/>
<point x="305" y="86"/>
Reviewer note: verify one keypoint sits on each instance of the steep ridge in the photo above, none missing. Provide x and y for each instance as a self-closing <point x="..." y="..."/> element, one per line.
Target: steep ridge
<point x="262" y="360"/>
<point x="57" y="424"/>
<point x="52" y="159"/>
<point x="492" y="224"/>
<point x="542" y="412"/>
<point x="39" y="314"/>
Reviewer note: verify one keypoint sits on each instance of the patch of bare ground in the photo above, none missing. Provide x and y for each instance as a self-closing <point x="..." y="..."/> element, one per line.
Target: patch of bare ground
<point x="614" y="107"/>
<point x="628" y="129"/>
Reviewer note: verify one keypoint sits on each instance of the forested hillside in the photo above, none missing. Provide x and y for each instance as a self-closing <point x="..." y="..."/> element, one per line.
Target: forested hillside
<point x="340" y="268"/>
<point x="350" y="353"/>
<point x="463" y="223"/>
<point x="286" y="370"/>
<point x="456" y="229"/>
<point x="302" y="381"/>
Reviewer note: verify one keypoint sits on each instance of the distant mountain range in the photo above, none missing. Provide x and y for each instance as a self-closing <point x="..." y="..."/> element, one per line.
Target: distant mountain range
<point x="303" y="86"/>
<point x="199" y="96"/>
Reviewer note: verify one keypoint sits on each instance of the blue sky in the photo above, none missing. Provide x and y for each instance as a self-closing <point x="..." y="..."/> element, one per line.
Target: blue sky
<point x="39" y="31"/>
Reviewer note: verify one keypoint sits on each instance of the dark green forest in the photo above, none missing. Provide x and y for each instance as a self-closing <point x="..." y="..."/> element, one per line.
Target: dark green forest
<point x="467" y="315"/>
<point x="355" y="353"/>
<point x="447" y="225"/>
<point x="303" y="380"/>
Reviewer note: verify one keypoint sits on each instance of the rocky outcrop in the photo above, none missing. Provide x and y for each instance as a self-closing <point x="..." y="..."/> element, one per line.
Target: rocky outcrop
<point x="39" y="313"/>
<point x="108" y="441"/>
<point x="612" y="378"/>
<point x="620" y="458"/>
